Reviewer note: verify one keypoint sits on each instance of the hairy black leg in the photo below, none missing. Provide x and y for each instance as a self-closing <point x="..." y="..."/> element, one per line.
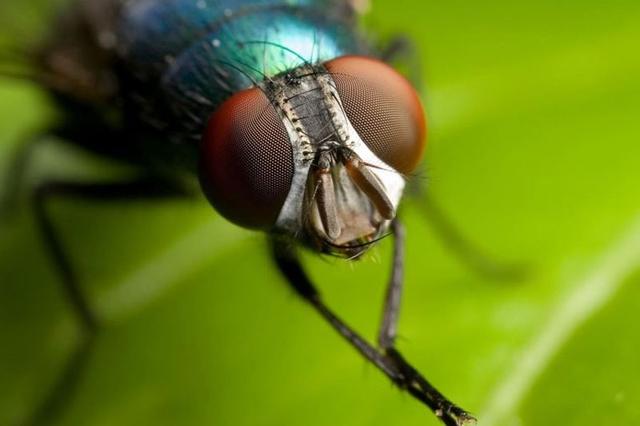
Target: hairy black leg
<point x="289" y="265"/>
<point x="467" y="252"/>
<point x="389" y="361"/>
<point x="414" y="382"/>
<point x="403" y="53"/>
<point x="15" y="174"/>
<point x="138" y="188"/>
<point x="391" y="312"/>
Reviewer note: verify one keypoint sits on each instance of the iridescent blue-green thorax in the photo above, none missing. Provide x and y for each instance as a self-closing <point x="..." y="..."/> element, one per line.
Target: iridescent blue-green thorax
<point x="253" y="92"/>
<point x="191" y="55"/>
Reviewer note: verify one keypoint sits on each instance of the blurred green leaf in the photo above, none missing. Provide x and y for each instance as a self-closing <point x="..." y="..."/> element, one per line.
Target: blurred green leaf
<point x="533" y="111"/>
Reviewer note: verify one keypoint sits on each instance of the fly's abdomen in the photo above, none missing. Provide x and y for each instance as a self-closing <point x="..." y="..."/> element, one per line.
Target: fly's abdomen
<point x="185" y="57"/>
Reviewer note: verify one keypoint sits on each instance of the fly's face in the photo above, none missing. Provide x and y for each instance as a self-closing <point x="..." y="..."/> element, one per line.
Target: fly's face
<point x="318" y="153"/>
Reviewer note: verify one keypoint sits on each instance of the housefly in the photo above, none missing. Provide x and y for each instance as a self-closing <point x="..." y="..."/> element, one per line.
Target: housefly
<point x="293" y="124"/>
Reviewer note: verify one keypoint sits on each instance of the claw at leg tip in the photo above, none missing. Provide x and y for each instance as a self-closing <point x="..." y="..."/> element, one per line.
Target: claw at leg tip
<point x="467" y="419"/>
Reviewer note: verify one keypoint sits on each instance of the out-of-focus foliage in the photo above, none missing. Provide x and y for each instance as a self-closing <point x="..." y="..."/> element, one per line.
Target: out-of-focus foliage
<point x="533" y="111"/>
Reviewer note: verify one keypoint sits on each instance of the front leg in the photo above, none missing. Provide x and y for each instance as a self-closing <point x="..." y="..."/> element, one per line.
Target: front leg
<point x="388" y="360"/>
<point x="287" y="261"/>
<point x="412" y="381"/>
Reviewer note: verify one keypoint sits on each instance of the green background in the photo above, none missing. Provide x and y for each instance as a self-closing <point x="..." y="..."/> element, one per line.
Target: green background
<point x="534" y="151"/>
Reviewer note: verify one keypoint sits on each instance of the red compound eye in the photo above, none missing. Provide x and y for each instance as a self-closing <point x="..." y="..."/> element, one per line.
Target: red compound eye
<point x="383" y="108"/>
<point x="247" y="161"/>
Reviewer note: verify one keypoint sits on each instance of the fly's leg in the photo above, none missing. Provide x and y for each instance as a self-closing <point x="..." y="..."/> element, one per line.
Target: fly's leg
<point x="289" y="265"/>
<point x="391" y="312"/>
<point x="403" y="53"/>
<point x="15" y="174"/>
<point x="63" y="389"/>
<point x="467" y="252"/>
<point x="412" y="381"/>
<point x="389" y="361"/>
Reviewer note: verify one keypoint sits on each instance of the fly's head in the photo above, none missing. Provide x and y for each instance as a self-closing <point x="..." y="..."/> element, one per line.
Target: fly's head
<point x="318" y="154"/>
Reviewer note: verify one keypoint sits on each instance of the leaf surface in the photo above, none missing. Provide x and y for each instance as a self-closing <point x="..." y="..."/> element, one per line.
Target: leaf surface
<point x="533" y="151"/>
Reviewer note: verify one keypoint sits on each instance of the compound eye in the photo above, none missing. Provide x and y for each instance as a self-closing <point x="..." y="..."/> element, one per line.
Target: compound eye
<point x="246" y="165"/>
<point x="383" y="108"/>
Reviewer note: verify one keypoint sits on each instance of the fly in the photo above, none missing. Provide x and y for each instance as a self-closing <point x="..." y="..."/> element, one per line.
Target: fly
<point x="292" y="123"/>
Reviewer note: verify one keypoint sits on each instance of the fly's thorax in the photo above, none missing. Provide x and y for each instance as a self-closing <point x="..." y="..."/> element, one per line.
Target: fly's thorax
<point x="342" y="196"/>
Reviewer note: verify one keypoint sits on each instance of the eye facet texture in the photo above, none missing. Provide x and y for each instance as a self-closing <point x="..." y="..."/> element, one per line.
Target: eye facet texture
<point x="383" y="108"/>
<point x="247" y="162"/>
